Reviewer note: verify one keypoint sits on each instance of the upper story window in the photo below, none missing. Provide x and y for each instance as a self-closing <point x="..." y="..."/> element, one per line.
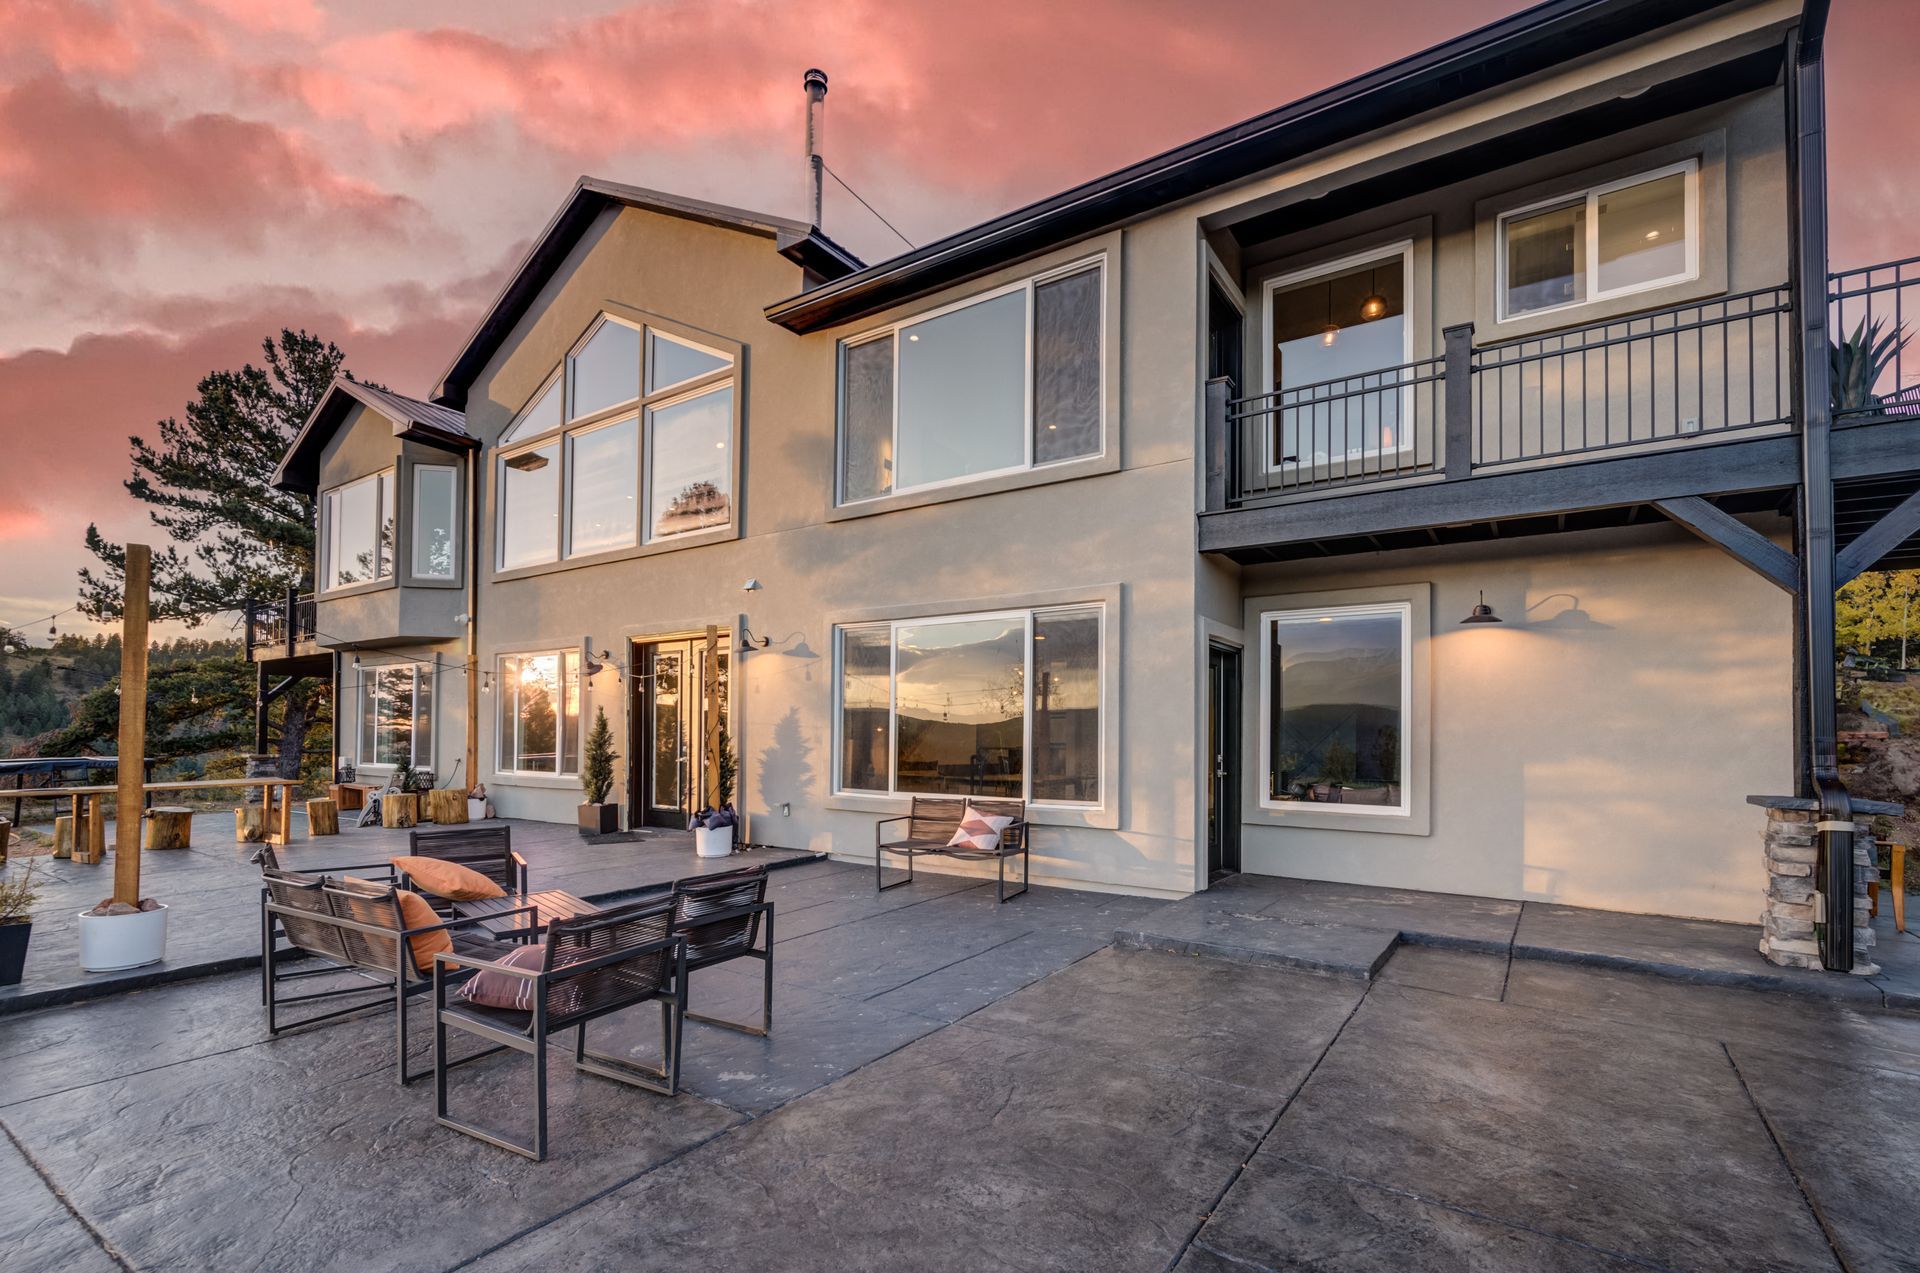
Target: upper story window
<point x="1626" y="236"/>
<point x="997" y="383"/>
<point x="358" y="522"/>
<point x="436" y="524"/>
<point x="630" y="442"/>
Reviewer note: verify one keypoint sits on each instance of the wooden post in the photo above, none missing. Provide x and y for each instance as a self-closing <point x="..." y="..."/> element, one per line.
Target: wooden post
<point x="131" y="797"/>
<point x="710" y="716"/>
<point x="96" y="846"/>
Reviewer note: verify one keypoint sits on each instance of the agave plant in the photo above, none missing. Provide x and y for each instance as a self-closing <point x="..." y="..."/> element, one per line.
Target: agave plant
<point x="1860" y="359"/>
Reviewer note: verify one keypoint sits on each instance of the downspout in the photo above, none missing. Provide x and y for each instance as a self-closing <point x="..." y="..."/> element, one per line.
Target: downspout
<point x="1806" y="96"/>
<point x="473" y="619"/>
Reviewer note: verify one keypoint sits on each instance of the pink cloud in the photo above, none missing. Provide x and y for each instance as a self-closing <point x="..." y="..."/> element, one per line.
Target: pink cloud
<point x="84" y="170"/>
<point x="296" y="17"/>
<point x="115" y="38"/>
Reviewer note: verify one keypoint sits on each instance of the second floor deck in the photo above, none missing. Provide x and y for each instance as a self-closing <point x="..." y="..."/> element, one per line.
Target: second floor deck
<point x="1583" y="423"/>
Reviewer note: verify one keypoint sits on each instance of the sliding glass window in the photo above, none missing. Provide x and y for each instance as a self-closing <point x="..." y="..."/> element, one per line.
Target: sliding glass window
<point x="540" y="713"/>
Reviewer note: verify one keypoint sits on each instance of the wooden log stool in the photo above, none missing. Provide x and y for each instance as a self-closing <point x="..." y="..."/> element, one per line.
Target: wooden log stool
<point x="6" y="834"/>
<point x="323" y="817"/>
<point x="63" y="835"/>
<point x="249" y="824"/>
<point x="169" y="827"/>
<point x="399" y="809"/>
<point x="96" y="836"/>
<point x="445" y="806"/>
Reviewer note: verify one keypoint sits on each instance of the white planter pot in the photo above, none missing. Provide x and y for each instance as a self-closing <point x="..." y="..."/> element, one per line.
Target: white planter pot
<point x="476" y="810"/>
<point x="109" y="943"/>
<point x="713" y="842"/>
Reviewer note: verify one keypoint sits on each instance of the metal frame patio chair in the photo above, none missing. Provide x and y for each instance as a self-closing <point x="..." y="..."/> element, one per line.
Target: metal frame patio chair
<point x="720" y="918"/>
<point x="487" y="849"/>
<point x="932" y="822"/>
<point x="354" y="928"/>
<point x="594" y="965"/>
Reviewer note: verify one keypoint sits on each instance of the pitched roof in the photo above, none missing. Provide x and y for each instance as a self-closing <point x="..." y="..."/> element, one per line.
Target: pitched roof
<point x="417" y="421"/>
<point x="1526" y="43"/>
<point x="800" y="243"/>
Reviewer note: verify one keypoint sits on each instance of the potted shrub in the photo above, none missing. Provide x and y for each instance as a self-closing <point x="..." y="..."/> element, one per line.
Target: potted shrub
<point x="597" y="816"/>
<point x="17" y="896"/>
<point x="713" y="831"/>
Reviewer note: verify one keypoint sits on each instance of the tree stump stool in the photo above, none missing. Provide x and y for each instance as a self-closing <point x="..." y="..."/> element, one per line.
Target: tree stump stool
<point x="399" y="809"/>
<point x="249" y="824"/>
<point x="169" y="827"/>
<point x="6" y="834"/>
<point x="63" y="835"/>
<point x="96" y="830"/>
<point x="323" y="817"/>
<point x="446" y="807"/>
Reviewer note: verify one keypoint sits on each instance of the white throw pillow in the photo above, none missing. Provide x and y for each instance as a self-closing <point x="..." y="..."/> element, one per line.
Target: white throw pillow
<point x="978" y="832"/>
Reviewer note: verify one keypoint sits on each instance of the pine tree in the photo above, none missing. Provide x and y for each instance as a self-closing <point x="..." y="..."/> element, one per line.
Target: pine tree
<point x="596" y="769"/>
<point x="233" y="536"/>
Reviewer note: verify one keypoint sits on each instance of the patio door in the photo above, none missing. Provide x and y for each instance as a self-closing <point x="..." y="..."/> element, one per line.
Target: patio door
<point x="1223" y="761"/>
<point x="679" y="709"/>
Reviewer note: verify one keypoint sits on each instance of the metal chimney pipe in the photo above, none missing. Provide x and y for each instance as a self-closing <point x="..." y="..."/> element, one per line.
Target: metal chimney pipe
<point x="815" y="81"/>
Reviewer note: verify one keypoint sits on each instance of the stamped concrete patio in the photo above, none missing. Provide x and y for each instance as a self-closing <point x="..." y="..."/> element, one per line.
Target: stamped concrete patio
<point x="954" y="1084"/>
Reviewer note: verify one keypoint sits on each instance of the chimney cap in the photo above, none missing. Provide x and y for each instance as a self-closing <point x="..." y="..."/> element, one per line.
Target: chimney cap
<point x="815" y="76"/>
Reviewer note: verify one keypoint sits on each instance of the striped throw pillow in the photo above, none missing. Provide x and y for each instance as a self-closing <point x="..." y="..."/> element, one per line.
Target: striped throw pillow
<point x="504" y="990"/>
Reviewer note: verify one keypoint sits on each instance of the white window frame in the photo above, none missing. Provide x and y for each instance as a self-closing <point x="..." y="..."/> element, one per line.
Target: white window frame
<point x="329" y="509"/>
<point x="636" y="409"/>
<point x="500" y="662"/>
<point x="897" y="331"/>
<point x="413" y="520"/>
<point x="1403" y="610"/>
<point x="369" y="679"/>
<point x="1590" y="196"/>
<point x="893" y="627"/>
<point x="1400" y="250"/>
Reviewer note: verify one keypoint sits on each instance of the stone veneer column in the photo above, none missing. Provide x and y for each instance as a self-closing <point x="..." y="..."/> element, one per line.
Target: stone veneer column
<point x="1792" y="850"/>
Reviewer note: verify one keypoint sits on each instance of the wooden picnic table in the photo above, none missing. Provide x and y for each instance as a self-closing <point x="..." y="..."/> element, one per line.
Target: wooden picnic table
<point x="277" y="829"/>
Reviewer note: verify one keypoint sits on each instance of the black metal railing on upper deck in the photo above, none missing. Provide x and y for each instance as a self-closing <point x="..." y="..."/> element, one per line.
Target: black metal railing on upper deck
<point x="279" y="627"/>
<point x="1693" y="373"/>
<point x="1868" y="333"/>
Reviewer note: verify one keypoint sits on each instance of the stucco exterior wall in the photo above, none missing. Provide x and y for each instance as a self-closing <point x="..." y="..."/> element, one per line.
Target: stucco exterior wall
<point x="1594" y="748"/>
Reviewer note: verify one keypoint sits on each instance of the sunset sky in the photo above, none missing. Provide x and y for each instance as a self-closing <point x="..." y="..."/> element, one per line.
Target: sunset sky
<point x="179" y="178"/>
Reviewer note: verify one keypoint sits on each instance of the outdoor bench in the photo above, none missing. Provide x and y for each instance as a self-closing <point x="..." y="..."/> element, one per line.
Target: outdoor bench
<point x="930" y="826"/>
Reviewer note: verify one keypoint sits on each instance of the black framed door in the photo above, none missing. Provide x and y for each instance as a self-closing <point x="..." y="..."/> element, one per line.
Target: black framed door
<point x="674" y="701"/>
<point x="1223" y="761"/>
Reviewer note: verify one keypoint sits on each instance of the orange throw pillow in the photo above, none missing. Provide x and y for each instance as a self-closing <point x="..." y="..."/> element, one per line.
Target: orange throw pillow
<point x="416" y="912"/>
<point x="450" y="880"/>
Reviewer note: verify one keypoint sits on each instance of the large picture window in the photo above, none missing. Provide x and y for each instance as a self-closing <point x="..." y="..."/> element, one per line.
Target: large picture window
<point x="540" y="713"/>
<point x="1336" y="684"/>
<point x="359" y="518"/>
<point x="1004" y="706"/>
<point x="631" y="442"/>
<point x="1612" y="240"/>
<point x="396" y="715"/>
<point x="1001" y="382"/>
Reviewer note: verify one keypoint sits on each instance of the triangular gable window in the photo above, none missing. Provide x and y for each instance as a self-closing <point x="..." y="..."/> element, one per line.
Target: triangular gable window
<point x="671" y="361"/>
<point x="544" y="414"/>
<point x="606" y="370"/>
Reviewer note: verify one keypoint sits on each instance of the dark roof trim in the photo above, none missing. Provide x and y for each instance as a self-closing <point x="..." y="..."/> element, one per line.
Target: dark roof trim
<point x="799" y="242"/>
<point x="1531" y="41"/>
<point x="416" y="421"/>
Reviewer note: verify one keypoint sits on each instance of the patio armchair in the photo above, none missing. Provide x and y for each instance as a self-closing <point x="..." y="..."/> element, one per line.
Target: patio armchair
<point x="354" y="927"/>
<point x="720" y="918"/>
<point x="486" y="848"/>
<point x="931" y="823"/>
<point x="591" y="966"/>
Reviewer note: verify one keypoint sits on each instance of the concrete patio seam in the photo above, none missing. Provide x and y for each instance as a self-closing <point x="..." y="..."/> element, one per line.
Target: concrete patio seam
<point x="943" y="967"/>
<point x="1485" y="1217"/>
<point x="1786" y="1161"/>
<point x="60" y="1195"/>
<point x="1231" y="1258"/>
<point x="1286" y="1103"/>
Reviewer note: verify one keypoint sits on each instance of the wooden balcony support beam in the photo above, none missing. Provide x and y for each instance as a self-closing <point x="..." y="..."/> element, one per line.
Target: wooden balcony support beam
<point x="1735" y="538"/>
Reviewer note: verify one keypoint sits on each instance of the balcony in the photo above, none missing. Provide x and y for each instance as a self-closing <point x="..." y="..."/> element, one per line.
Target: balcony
<point x="281" y="629"/>
<point x="1584" y="423"/>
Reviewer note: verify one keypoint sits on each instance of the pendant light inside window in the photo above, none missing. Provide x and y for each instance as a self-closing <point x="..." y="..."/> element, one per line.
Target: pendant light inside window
<point x="1375" y="305"/>
<point x="1330" y="332"/>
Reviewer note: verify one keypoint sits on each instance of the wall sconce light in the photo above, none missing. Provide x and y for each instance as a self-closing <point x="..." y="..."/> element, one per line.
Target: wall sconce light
<point x="1482" y="613"/>
<point x="751" y="585"/>
<point x="749" y="642"/>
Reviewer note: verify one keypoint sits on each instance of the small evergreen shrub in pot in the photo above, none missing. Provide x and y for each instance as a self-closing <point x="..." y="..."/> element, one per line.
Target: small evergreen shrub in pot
<point x="597" y="816"/>
<point x="17" y="895"/>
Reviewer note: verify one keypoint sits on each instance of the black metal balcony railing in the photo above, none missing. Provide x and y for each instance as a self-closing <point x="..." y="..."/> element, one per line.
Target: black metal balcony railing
<point x="280" y="626"/>
<point x="1682" y="376"/>
<point x="1867" y="326"/>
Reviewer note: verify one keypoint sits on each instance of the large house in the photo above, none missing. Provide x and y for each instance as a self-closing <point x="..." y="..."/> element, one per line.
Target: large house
<point x="1182" y="504"/>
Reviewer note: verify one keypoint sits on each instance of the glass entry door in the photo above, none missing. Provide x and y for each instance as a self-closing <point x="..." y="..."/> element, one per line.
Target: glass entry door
<point x="1223" y="761"/>
<point x="679" y="713"/>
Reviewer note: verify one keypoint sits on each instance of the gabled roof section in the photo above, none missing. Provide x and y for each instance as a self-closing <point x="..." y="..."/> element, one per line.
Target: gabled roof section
<point x="412" y="419"/>
<point x="1534" y="40"/>
<point x="802" y="244"/>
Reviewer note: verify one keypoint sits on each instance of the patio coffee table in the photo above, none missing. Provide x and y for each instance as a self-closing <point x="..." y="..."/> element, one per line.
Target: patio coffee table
<point x="548" y="906"/>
